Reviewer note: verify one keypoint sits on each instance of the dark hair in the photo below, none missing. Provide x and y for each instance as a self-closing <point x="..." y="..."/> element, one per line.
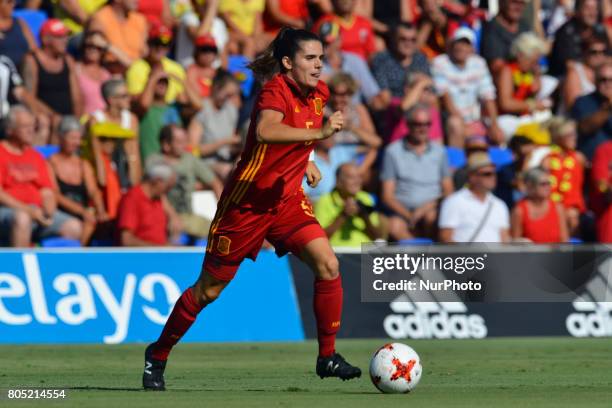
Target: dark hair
<point x="222" y="78"/>
<point x="166" y="133"/>
<point x="286" y="44"/>
<point x="516" y="142"/>
<point x="596" y="38"/>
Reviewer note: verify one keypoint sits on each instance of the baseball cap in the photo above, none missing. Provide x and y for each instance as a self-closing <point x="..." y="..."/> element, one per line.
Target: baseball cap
<point x="464" y="33"/>
<point x="160" y="33"/>
<point x="205" y="41"/>
<point x="54" y="27"/>
<point x="329" y="31"/>
<point x="477" y="161"/>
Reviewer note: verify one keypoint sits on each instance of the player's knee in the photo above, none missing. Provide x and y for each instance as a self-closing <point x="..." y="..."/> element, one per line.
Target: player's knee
<point x="209" y="295"/>
<point x="329" y="268"/>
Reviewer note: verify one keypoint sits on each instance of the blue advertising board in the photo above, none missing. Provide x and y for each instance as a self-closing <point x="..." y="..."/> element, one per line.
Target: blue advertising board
<point x="117" y="296"/>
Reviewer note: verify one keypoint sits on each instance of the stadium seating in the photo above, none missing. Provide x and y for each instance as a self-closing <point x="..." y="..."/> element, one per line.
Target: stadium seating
<point x="456" y="157"/>
<point x="33" y="18"/>
<point x="500" y="156"/>
<point x="47" y="150"/>
<point x="57" y="242"/>
<point x="416" y="241"/>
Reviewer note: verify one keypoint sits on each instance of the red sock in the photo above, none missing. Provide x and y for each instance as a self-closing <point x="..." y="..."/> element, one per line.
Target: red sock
<point x="328" y="310"/>
<point x="182" y="317"/>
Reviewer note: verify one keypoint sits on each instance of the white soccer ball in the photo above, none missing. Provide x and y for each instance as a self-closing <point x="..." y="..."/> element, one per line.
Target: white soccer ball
<point x="395" y="368"/>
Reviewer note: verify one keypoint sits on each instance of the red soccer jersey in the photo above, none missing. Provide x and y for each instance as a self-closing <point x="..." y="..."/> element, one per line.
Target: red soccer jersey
<point x="356" y="35"/>
<point x="268" y="174"/>
<point x="23" y="175"/>
<point x="144" y="217"/>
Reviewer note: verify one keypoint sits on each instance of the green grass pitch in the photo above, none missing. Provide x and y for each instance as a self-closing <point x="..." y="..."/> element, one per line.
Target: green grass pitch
<point x="509" y="372"/>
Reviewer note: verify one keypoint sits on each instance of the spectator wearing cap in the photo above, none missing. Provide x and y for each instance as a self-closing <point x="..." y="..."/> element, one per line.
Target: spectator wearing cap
<point x="123" y="27"/>
<point x="145" y="216"/>
<point x="570" y="37"/>
<point x="463" y="81"/>
<point x="49" y="74"/>
<point x="537" y="218"/>
<point x="415" y="175"/>
<point x="199" y="19"/>
<point x="213" y="130"/>
<point x="474" y="144"/>
<point x="245" y="26"/>
<point x="191" y="174"/>
<point x="391" y="67"/>
<point x="356" y="33"/>
<point x="474" y="214"/>
<point x="142" y="77"/>
<point x="347" y="213"/>
<point x="593" y="113"/>
<point x="499" y="33"/>
<point x="76" y="180"/>
<point x="28" y="207"/>
<point x="16" y="39"/>
<point x="337" y="60"/>
<point x="201" y="72"/>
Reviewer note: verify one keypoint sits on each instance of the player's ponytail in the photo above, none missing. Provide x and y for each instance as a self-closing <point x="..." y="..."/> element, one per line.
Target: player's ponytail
<point x="286" y="44"/>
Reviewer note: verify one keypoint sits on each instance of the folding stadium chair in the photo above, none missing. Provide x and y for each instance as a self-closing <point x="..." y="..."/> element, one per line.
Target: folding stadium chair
<point x="58" y="242"/>
<point x="456" y="157"/>
<point x="47" y="150"/>
<point x="34" y="19"/>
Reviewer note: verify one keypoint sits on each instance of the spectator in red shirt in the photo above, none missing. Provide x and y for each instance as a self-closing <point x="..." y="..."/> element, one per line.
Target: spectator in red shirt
<point x="145" y="217"/>
<point x="27" y="201"/>
<point x="536" y="217"/>
<point x="356" y="31"/>
<point x="601" y="190"/>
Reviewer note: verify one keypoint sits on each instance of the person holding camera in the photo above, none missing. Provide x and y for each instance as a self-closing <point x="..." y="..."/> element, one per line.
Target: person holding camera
<point x="347" y="213"/>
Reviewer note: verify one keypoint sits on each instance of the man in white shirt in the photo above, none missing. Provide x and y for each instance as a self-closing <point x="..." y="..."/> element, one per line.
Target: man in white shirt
<point x="474" y="214"/>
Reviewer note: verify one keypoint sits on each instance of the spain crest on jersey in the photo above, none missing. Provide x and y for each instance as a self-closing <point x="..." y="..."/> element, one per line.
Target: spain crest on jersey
<point x="318" y="106"/>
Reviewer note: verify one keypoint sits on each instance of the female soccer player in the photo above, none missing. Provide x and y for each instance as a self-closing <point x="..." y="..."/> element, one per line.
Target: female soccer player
<point x="263" y="200"/>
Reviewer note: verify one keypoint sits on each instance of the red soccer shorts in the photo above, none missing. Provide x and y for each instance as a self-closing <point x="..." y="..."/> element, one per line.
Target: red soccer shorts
<point x="239" y="233"/>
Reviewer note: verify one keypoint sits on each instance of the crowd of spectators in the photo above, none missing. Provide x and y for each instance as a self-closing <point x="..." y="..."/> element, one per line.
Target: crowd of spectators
<point x="465" y="120"/>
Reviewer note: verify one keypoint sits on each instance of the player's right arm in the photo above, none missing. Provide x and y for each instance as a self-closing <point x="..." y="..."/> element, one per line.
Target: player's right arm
<point x="270" y="128"/>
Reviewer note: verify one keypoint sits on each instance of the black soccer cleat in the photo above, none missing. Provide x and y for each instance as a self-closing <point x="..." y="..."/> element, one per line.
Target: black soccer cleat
<point x="336" y="366"/>
<point x="153" y="375"/>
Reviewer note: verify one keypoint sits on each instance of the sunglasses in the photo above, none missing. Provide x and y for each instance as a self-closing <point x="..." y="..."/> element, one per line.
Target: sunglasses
<point x="485" y="173"/>
<point x="93" y="47"/>
<point x="594" y="51"/>
<point x="544" y="184"/>
<point x="420" y="124"/>
<point x="121" y="96"/>
<point x="406" y="39"/>
<point x="605" y="79"/>
<point x="345" y="93"/>
<point x="207" y="49"/>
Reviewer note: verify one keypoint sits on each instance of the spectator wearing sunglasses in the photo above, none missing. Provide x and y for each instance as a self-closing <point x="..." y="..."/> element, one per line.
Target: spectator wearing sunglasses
<point x="415" y="175"/>
<point x="580" y="79"/>
<point x="474" y="214"/>
<point x="537" y="218"/>
<point x="593" y="113"/>
<point x="90" y="73"/>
